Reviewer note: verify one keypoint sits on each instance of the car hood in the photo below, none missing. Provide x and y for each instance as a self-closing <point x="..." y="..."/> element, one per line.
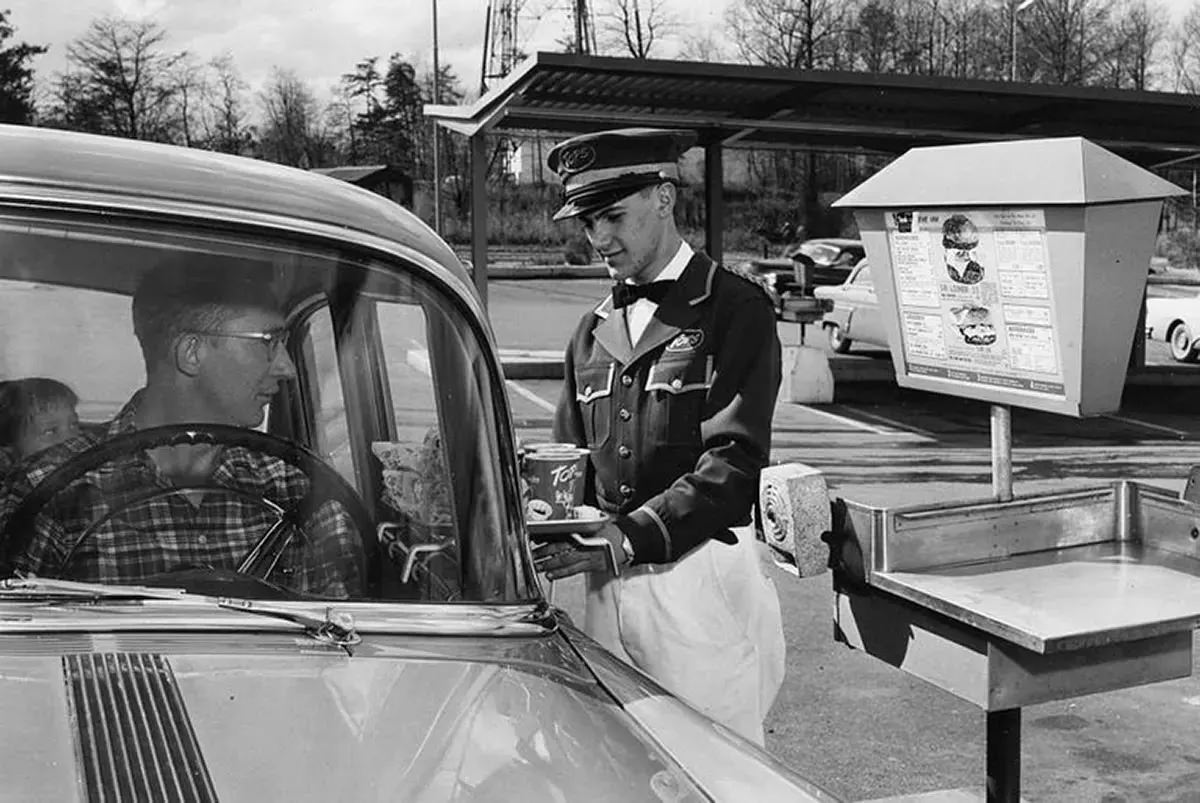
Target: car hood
<point x="253" y="716"/>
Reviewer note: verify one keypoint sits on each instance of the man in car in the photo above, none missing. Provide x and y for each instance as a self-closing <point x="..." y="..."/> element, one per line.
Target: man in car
<point x="214" y="345"/>
<point x="671" y="383"/>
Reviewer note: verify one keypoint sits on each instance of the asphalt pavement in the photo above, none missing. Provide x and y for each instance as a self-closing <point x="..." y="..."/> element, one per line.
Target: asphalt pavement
<point x="859" y="727"/>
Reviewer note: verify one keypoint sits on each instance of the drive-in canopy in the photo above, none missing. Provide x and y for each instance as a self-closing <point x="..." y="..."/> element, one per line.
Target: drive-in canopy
<point x="735" y="105"/>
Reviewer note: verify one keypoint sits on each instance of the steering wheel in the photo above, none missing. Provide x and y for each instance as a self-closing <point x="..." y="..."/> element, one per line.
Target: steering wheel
<point x="19" y="531"/>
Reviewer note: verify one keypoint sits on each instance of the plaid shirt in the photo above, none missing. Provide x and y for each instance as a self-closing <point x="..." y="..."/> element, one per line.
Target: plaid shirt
<point x="171" y="532"/>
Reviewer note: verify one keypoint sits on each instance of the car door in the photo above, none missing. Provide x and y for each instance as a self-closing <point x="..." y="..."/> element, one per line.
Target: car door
<point x="865" y="323"/>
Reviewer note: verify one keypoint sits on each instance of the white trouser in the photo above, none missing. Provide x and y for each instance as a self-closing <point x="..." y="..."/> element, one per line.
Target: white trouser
<point x="707" y="628"/>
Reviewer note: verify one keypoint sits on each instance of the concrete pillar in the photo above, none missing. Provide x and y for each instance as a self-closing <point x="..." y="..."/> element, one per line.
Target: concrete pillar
<point x="807" y="377"/>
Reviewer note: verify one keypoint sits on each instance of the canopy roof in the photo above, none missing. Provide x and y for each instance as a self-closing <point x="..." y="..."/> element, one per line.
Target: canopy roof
<point x="772" y="107"/>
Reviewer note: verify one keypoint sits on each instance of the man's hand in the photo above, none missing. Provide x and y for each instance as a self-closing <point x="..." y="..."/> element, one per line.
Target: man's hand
<point x="564" y="558"/>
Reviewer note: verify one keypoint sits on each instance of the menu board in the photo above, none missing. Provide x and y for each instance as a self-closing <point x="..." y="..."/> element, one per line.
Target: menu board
<point x="975" y="299"/>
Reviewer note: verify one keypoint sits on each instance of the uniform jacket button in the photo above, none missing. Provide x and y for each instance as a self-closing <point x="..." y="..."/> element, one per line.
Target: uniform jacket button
<point x="677" y="383"/>
<point x="587" y="391"/>
<point x="624" y="451"/>
<point x="626" y="380"/>
<point x="624" y="414"/>
<point x="626" y="491"/>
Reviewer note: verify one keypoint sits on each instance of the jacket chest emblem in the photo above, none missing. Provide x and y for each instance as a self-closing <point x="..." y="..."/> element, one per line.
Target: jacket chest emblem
<point x="687" y="340"/>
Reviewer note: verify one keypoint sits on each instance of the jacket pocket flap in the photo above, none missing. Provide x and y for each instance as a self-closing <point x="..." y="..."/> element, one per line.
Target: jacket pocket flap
<point x="594" y="382"/>
<point x="680" y="376"/>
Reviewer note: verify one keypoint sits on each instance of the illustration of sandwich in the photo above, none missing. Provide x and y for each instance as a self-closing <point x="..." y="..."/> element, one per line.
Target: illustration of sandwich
<point x="975" y="325"/>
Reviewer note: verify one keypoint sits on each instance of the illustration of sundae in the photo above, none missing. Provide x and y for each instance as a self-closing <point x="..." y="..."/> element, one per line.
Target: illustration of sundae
<point x="959" y="238"/>
<point x="975" y="325"/>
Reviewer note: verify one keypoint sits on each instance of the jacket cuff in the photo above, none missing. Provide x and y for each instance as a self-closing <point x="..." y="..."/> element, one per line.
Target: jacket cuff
<point x="647" y="535"/>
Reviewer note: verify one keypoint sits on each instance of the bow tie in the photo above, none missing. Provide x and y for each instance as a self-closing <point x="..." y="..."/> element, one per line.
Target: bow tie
<point x="625" y="294"/>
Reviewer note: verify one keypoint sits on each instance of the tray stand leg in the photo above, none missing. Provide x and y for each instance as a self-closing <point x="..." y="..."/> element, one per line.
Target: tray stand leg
<point x="1004" y="756"/>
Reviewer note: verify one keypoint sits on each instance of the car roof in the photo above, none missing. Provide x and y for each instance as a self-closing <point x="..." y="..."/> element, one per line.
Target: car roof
<point x="122" y="168"/>
<point x="840" y="242"/>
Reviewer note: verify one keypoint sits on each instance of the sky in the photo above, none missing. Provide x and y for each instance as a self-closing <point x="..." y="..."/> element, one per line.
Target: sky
<point x="318" y="40"/>
<point x="322" y="40"/>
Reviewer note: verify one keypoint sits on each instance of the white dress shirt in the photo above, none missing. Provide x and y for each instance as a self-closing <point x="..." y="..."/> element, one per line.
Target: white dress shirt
<point x="639" y="313"/>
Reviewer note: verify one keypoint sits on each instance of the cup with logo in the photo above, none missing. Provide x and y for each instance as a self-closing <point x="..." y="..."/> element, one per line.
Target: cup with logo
<point x="553" y="477"/>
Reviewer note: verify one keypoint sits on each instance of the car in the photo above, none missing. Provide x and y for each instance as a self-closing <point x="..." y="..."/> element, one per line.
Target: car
<point x="443" y="673"/>
<point x="803" y="267"/>
<point x="855" y="316"/>
<point x="824" y="261"/>
<point x="1176" y="321"/>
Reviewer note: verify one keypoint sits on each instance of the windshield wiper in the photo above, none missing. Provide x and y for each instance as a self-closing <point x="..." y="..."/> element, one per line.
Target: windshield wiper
<point x="41" y="587"/>
<point x="337" y="628"/>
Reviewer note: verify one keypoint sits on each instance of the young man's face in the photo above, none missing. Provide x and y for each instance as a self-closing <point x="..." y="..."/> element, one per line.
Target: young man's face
<point x="629" y="234"/>
<point x="239" y="376"/>
<point x="48" y="425"/>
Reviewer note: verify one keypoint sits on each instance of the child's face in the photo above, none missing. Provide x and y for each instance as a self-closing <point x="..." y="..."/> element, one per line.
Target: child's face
<point x="48" y="425"/>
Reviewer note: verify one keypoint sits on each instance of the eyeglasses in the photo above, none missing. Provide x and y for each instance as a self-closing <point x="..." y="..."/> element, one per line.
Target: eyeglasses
<point x="275" y="340"/>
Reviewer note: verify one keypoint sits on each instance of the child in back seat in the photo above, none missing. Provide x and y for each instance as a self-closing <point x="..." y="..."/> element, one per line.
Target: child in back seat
<point x="35" y="414"/>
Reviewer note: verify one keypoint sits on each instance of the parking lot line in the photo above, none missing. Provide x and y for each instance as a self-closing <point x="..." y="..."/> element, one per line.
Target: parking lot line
<point x="1179" y="433"/>
<point x="529" y="395"/>
<point x="843" y="420"/>
<point x="897" y="425"/>
<point x="889" y="427"/>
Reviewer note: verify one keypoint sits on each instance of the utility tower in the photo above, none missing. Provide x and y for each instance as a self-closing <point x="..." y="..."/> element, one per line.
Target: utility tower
<point x="500" y="51"/>
<point x="585" y="28"/>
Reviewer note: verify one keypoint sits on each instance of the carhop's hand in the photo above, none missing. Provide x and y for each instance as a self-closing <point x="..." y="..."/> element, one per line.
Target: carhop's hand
<point x="559" y="559"/>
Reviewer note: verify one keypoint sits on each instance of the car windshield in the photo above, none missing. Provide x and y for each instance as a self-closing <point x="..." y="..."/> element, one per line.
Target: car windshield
<point x="350" y="442"/>
<point x="820" y="253"/>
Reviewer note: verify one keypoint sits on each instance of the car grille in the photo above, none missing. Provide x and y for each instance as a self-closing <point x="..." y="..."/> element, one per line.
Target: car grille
<point x="134" y="739"/>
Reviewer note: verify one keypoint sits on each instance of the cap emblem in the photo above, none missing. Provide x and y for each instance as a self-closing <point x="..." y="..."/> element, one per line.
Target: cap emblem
<point x="580" y="157"/>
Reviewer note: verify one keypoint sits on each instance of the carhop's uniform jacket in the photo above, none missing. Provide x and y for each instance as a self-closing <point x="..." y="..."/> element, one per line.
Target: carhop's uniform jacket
<point x="680" y="425"/>
<point x="679" y="428"/>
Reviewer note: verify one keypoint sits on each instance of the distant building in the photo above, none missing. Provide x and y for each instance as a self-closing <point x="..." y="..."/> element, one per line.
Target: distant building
<point x="386" y="180"/>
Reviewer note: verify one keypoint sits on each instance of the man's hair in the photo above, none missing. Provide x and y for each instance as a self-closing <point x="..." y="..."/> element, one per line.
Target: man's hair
<point x="195" y="296"/>
<point x="20" y="399"/>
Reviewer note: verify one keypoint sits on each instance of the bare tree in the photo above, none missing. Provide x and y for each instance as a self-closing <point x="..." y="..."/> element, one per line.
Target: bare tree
<point x="805" y="34"/>
<point x="1066" y="41"/>
<point x="1185" y="52"/>
<point x="227" y="129"/>
<point x="704" y="46"/>
<point x="120" y="81"/>
<point x="873" y="37"/>
<point x="291" y="131"/>
<point x="1136" y="37"/>
<point x="634" y="26"/>
<point x="190" y="82"/>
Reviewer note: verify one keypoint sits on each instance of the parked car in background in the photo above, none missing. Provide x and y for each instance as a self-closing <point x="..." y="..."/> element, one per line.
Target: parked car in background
<point x="438" y="671"/>
<point x="824" y="261"/>
<point x="855" y="316"/>
<point x="1175" y="321"/>
<point x="805" y="266"/>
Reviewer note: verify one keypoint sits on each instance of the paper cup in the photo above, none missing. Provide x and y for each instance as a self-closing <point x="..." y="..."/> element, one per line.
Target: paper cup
<point x="553" y="477"/>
